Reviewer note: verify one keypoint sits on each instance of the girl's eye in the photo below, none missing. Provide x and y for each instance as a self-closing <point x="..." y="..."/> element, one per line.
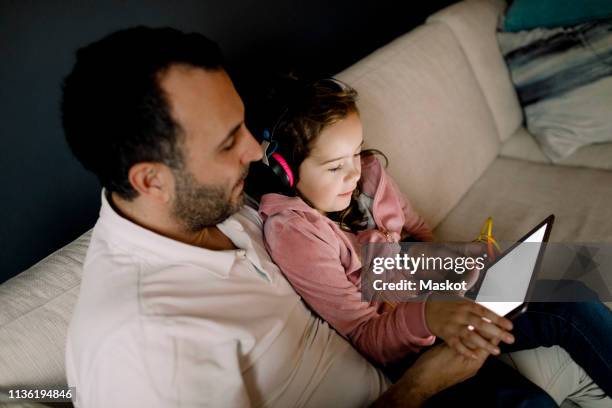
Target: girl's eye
<point x="335" y="169"/>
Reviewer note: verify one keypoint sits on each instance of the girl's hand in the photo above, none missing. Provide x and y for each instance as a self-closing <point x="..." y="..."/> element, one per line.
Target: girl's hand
<point x="466" y="326"/>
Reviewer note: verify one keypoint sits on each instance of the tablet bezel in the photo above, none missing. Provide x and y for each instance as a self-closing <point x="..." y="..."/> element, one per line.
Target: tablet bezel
<point x="548" y="221"/>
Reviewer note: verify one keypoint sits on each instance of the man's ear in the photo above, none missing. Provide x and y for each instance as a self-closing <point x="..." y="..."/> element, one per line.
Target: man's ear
<point x="152" y="179"/>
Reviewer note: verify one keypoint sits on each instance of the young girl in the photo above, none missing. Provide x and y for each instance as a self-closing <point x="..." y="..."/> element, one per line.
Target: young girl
<point x="338" y="197"/>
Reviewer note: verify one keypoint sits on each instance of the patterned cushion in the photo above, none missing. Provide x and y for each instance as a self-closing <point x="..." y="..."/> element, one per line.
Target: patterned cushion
<point x="563" y="78"/>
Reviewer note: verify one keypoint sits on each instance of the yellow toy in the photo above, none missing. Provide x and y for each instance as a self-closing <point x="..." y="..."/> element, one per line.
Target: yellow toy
<point x="486" y="236"/>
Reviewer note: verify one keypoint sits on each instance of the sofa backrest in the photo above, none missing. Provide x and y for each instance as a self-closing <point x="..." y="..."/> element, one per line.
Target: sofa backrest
<point x="35" y="310"/>
<point x="474" y="23"/>
<point x="422" y="105"/>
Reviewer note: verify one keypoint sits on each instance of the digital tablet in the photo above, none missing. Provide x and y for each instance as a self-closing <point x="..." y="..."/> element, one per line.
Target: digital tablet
<point x="506" y="282"/>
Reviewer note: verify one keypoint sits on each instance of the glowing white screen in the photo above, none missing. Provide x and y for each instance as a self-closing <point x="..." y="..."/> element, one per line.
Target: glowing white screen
<point x="505" y="286"/>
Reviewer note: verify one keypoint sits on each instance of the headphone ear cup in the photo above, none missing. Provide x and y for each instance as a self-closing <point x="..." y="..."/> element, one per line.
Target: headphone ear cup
<point x="263" y="180"/>
<point x="281" y="168"/>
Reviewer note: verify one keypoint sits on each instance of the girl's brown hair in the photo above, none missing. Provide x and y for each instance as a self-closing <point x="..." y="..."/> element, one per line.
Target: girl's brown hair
<point x="312" y="108"/>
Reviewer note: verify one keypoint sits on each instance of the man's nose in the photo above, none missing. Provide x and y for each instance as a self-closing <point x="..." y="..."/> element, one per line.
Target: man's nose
<point x="252" y="150"/>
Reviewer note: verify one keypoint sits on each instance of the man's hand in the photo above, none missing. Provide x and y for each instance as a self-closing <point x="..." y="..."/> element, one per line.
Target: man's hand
<point x="466" y="326"/>
<point x="437" y="369"/>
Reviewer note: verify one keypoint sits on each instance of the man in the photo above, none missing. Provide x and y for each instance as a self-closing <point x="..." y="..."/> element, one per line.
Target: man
<point x="180" y="304"/>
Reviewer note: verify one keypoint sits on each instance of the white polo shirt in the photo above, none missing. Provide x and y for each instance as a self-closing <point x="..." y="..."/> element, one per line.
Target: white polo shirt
<point x="160" y="323"/>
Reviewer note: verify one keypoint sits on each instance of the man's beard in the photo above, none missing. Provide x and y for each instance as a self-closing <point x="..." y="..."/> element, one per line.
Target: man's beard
<point x="198" y="206"/>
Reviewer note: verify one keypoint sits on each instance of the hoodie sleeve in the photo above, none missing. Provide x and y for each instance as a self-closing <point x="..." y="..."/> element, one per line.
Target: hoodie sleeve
<point x="310" y="259"/>
<point x="414" y="223"/>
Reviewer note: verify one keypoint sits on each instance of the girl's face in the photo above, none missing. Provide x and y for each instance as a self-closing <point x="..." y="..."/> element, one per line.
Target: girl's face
<point x="330" y="174"/>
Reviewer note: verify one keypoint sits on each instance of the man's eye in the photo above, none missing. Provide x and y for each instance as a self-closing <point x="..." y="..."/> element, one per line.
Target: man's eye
<point x="230" y="145"/>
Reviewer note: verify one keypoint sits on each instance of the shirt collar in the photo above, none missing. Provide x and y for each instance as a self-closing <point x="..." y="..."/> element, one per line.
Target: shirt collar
<point x="235" y="231"/>
<point x="158" y="249"/>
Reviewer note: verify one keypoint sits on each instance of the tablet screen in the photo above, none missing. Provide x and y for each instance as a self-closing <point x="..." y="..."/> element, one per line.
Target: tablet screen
<point x="506" y="282"/>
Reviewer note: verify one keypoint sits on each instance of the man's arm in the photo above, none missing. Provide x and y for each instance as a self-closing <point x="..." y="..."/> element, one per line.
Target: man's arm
<point x="436" y="370"/>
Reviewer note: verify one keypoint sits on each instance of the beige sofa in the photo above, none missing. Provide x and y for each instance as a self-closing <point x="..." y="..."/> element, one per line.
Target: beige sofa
<point x="439" y="102"/>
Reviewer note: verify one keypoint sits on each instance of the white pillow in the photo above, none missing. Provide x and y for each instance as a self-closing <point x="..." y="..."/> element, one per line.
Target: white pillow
<point x="563" y="78"/>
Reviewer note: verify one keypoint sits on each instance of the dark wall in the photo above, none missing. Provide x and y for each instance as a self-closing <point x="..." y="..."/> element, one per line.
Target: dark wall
<point x="47" y="199"/>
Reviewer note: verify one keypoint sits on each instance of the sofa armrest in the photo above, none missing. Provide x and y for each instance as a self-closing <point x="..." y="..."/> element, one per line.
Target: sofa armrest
<point x="35" y="310"/>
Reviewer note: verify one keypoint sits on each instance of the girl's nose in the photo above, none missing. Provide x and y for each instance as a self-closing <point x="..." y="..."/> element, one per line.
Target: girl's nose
<point x="353" y="175"/>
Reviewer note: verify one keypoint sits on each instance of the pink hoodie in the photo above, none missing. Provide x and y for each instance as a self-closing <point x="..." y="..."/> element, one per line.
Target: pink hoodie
<point x="322" y="263"/>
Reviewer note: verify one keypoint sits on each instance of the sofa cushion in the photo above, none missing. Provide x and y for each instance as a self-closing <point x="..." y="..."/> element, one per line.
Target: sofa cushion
<point x="422" y="106"/>
<point x="598" y="156"/>
<point x="528" y="14"/>
<point x="518" y="194"/>
<point x="35" y="310"/>
<point x="535" y="364"/>
<point x="7" y="402"/>
<point x="474" y="23"/>
<point x="522" y="145"/>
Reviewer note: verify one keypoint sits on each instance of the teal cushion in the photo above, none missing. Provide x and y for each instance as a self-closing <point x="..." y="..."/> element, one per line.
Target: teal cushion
<point x="528" y="14"/>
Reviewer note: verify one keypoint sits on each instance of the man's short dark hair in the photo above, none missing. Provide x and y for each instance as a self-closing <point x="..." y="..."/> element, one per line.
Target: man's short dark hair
<point x="115" y="113"/>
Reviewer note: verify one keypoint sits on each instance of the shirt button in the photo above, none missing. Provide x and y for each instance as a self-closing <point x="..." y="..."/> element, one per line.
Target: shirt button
<point x="241" y="253"/>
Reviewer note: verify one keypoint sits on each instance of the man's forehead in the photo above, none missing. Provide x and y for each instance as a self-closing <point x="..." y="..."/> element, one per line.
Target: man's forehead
<point x="202" y="100"/>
